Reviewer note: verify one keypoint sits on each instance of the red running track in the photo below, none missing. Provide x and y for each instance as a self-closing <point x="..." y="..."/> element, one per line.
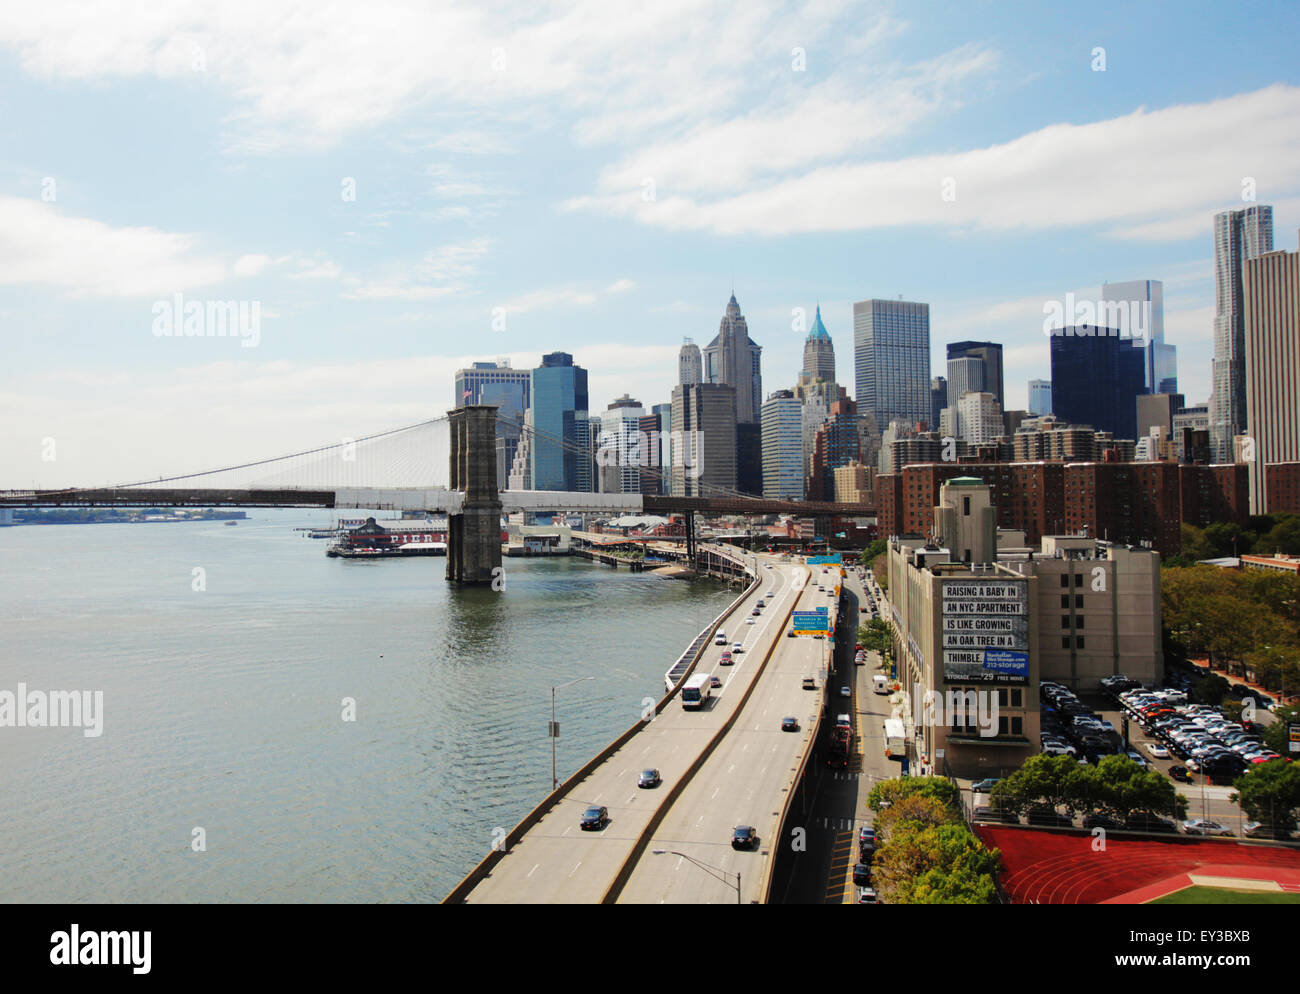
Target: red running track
<point x="1063" y="868"/>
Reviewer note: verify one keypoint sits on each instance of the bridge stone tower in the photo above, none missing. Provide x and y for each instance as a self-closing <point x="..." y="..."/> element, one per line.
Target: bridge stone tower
<point x="474" y="535"/>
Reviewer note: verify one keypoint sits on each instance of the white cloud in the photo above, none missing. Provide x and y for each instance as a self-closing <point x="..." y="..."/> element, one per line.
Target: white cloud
<point x="42" y="246"/>
<point x="1147" y="172"/>
<point x="440" y="272"/>
<point x="620" y="286"/>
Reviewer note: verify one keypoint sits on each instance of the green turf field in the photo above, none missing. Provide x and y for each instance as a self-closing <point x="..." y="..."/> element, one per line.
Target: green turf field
<point x="1221" y="895"/>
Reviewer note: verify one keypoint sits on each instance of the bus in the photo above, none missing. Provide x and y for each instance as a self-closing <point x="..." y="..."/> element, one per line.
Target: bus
<point x="895" y="738"/>
<point x="698" y="689"/>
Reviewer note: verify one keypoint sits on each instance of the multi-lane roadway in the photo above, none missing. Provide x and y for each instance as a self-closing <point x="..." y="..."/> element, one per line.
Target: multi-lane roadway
<point x="559" y="862"/>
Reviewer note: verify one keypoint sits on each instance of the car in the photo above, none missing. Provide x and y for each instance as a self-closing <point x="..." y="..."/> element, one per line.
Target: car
<point x="749" y="621"/>
<point x="985" y="813"/>
<point x="714" y="682"/>
<point x="595" y="817"/>
<point x="736" y="647"/>
<point x="846" y="692"/>
<point x="1149" y="823"/>
<point x="720" y="638"/>
<point x="862" y="874"/>
<point x="1100" y="821"/>
<point x="866" y="837"/>
<point x="1203" y="826"/>
<point x="760" y="605"/>
<point x="755" y="613"/>
<point x="1157" y="750"/>
<point x="809" y="683"/>
<point x="649" y="778"/>
<point x="789" y="724"/>
<point x="769" y="595"/>
<point x="867" y="895"/>
<point x="984" y="786"/>
<point x="1048" y="817"/>
<point x="744" y="837"/>
<point x="725" y="659"/>
<point x="1258" y="830"/>
<point x="790" y="634"/>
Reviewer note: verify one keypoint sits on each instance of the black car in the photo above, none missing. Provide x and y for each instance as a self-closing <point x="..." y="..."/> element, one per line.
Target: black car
<point x="789" y="724"/>
<point x="1048" y="818"/>
<point x="1150" y="823"/>
<point x="649" y="778"/>
<point x="862" y="874"/>
<point x="1101" y="821"/>
<point x="986" y="813"/>
<point x="744" y="837"/>
<point x="595" y="817"/>
<point x="790" y="634"/>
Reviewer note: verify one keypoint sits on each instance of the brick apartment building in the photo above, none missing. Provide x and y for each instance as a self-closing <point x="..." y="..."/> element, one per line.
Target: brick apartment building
<point x="1124" y="502"/>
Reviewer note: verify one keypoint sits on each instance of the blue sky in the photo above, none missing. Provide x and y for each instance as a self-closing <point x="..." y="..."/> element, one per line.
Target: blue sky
<point x="505" y="163"/>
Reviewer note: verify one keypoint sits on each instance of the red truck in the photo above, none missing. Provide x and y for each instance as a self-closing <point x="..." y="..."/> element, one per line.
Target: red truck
<point x="841" y="741"/>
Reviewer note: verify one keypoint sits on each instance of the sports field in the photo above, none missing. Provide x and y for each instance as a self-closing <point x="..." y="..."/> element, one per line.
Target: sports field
<point x="1222" y="895"/>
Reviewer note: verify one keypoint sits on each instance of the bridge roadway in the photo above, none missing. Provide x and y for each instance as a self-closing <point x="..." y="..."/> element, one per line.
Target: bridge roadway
<point x="558" y="862"/>
<point x="745" y="781"/>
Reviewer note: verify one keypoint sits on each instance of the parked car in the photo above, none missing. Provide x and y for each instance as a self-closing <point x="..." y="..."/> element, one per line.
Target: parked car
<point x="986" y="813"/>
<point x="867" y="895"/>
<point x="1157" y="750"/>
<point x="595" y="817"/>
<point x="866" y="838"/>
<point x="744" y="837"/>
<point x="1101" y="821"/>
<point x="649" y="778"/>
<point x="1203" y="826"/>
<point x="1150" y="823"/>
<point x="1048" y="818"/>
<point x="862" y="874"/>
<point x="984" y="786"/>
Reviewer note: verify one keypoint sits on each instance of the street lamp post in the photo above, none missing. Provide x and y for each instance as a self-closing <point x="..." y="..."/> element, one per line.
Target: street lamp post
<point x="554" y="730"/>
<point x="703" y="866"/>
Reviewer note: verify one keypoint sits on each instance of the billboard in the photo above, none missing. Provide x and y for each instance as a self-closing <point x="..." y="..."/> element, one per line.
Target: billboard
<point x="984" y="630"/>
<point x="824" y="560"/>
<point x="1293" y="735"/>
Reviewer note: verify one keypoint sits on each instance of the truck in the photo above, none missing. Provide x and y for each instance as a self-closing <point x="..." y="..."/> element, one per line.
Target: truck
<point x="698" y="689"/>
<point x="895" y="738"/>
<point x="841" y="743"/>
<point x="880" y="683"/>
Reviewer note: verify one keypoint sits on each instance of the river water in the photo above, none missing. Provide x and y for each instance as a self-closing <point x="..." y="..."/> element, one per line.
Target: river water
<point x="225" y="655"/>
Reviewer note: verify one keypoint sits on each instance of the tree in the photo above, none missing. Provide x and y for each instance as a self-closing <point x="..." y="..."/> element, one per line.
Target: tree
<point x="873" y="552"/>
<point x="876" y="635"/>
<point x="1283" y="536"/>
<point x="1210" y="689"/>
<point x="891" y="792"/>
<point x="1119" y="786"/>
<point x="909" y="812"/>
<point x="935" y="864"/>
<point x="1276" y="736"/>
<point x="1270" y="793"/>
<point x="1195" y="545"/>
<point x="1051" y="781"/>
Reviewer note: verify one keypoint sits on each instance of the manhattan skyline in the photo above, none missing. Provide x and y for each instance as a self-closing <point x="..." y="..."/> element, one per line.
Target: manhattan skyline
<point x="382" y="230"/>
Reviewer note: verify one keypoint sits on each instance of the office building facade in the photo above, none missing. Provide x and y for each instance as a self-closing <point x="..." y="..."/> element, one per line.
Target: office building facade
<point x="562" y="449"/>
<point x="990" y="356"/>
<point x="783" y="463"/>
<point x="1097" y="377"/>
<point x="1040" y="397"/>
<point x="891" y="360"/>
<point x="1238" y="236"/>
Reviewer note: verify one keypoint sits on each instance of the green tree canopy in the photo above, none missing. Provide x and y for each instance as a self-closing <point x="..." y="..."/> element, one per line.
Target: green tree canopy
<point x="1270" y="793"/>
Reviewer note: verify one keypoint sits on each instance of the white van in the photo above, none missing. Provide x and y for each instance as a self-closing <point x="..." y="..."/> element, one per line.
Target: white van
<point x="844" y="720"/>
<point x="880" y="683"/>
<point x="720" y="638"/>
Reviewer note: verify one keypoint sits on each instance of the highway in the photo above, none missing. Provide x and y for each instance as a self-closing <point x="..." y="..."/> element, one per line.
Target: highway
<point x="745" y="781"/>
<point x="557" y="861"/>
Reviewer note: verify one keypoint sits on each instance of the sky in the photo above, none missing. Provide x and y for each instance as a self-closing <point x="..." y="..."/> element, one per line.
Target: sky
<point x="391" y="191"/>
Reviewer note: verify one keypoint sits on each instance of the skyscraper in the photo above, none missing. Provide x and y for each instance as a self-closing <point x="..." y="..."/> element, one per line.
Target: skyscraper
<point x="560" y="429"/>
<point x="783" y="447"/>
<point x="1096" y="379"/>
<point x="733" y="359"/>
<point x="938" y="400"/>
<point x="1145" y="300"/>
<point x="965" y="375"/>
<point x="891" y="360"/>
<point x="1238" y="236"/>
<point x="1271" y="305"/>
<point x="979" y="417"/>
<point x="690" y="365"/>
<point x="508" y="389"/>
<point x="818" y="352"/>
<point x="619" y="451"/>
<point x="990" y="356"/>
<point x="836" y="444"/>
<point x="705" y="415"/>
<point x="1040" y="397"/>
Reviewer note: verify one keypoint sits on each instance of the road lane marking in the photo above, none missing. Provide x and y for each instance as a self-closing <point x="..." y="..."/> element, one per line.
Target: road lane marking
<point x="530" y="872"/>
<point x="575" y="869"/>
